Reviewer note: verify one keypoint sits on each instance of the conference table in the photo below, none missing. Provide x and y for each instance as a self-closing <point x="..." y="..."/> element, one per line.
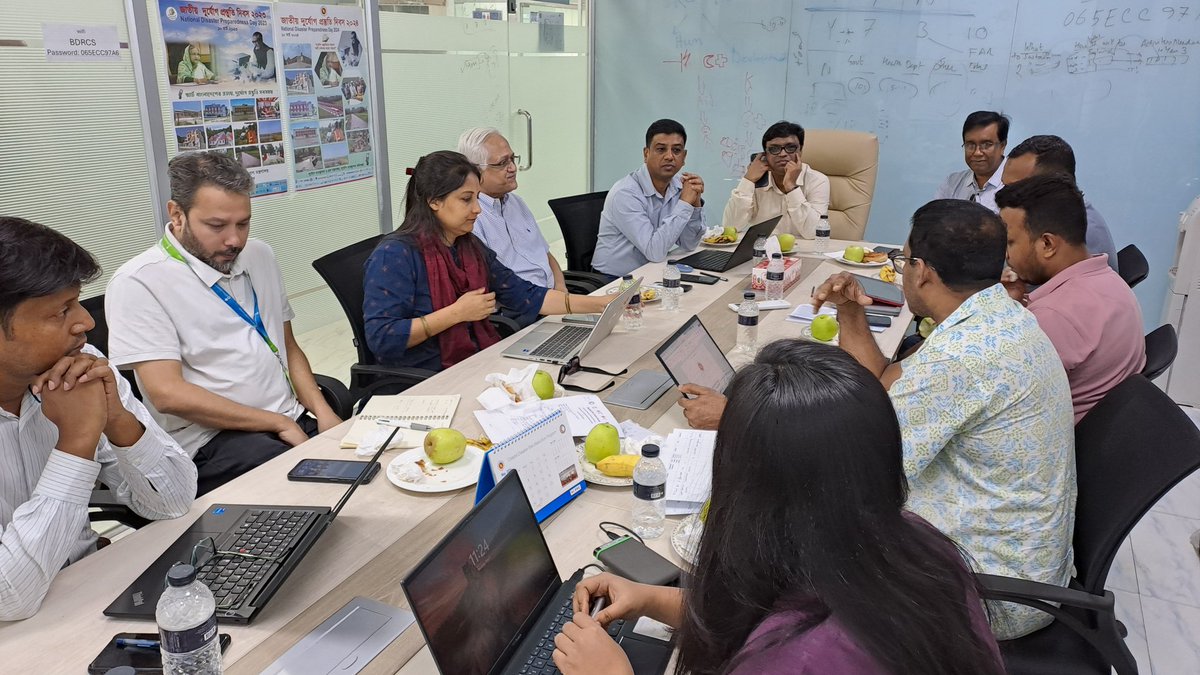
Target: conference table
<point x="384" y="531"/>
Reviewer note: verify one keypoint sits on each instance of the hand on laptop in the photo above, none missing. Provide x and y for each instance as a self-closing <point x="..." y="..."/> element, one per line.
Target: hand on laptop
<point x="585" y="648"/>
<point x="704" y="411"/>
<point x="624" y="597"/>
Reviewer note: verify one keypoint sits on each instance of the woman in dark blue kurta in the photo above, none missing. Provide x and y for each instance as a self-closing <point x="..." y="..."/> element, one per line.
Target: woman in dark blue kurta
<point x="432" y="278"/>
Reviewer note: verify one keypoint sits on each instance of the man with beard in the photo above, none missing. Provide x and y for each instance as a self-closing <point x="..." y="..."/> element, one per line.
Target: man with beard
<point x="203" y="319"/>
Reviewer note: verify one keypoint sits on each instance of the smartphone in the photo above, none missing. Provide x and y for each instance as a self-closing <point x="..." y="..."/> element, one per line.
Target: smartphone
<point x="697" y="279"/>
<point x="141" y="660"/>
<point x="885" y="249"/>
<point x="881" y="291"/>
<point x="754" y="157"/>
<point x="332" y="471"/>
<point x="877" y="320"/>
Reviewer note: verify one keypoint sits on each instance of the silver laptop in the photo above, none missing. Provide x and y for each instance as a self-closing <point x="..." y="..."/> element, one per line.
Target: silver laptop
<point x="557" y="343"/>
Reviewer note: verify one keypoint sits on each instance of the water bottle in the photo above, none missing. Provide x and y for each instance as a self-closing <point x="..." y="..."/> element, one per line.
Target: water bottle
<point x="671" y="289"/>
<point x="821" y="245"/>
<point x="775" y="277"/>
<point x="187" y="625"/>
<point x="626" y="283"/>
<point x="760" y="250"/>
<point x="747" y="332"/>
<point x="633" y="313"/>
<point x="649" y="494"/>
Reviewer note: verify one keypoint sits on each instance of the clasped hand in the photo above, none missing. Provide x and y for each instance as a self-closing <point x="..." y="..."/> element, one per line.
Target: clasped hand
<point x="80" y="396"/>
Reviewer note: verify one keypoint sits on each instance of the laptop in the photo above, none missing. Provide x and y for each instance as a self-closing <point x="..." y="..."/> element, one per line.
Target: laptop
<point x="558" y="342"/>
<point x="691" y="356"/>
<point x="489" y="600"/>
<point x="254" y="550"/>
<point x="723" y="261"/>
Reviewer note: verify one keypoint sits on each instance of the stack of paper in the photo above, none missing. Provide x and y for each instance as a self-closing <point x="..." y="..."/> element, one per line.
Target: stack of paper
<point x="433" y="411"/>
<point x="804" y="314"/>
<point x="688" y="455"/>
<point x="582" y="413"/>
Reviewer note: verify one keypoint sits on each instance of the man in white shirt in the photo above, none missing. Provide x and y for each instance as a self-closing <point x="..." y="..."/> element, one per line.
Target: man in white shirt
<point x="985" y="136"/>
<point x="505" y="224"/>
<point x="203" y="319"/>
<point x="778" y="183"/>
<point x="66" y="419"/>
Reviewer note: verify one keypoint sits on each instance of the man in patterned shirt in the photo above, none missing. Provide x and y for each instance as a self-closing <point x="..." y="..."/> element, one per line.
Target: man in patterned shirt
<point x="984" y="405"/>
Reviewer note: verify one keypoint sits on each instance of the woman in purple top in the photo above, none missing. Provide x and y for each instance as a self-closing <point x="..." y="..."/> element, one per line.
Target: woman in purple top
<point x="808" y="562"/>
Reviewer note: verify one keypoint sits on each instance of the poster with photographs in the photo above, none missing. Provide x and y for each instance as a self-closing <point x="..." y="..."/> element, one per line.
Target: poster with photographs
<point x="325" y="80"/>
<point x="225" y="95"/>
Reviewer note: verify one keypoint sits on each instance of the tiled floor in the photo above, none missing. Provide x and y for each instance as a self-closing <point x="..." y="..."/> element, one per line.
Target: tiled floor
<point x="1156" y="577"/>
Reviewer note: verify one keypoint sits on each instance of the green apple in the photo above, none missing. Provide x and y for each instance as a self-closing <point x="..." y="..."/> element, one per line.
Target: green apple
<point x="854" y="253"/>
<point x="602" y="441"/>
<point x="444" y="446"/>
<point x="824" y="328"/>
<point x="730" y="233"/>
<point x="543" y="385"/>
<point x="786" y="242"/>
<point x="925" y="328"/>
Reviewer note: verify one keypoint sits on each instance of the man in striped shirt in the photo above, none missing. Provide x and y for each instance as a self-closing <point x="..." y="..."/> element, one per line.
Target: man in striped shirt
<point x="66" y="419"/>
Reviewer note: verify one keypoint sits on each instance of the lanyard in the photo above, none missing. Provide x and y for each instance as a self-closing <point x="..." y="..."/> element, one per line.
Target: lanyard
<point x="256" y="322"/>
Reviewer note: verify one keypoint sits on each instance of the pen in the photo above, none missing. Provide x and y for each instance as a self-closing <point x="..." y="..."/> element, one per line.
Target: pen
<point x="714" y="276"/>
<point x="122" y="643"/>
<point x="415" y="426"/>
<point x="600" y="603"/>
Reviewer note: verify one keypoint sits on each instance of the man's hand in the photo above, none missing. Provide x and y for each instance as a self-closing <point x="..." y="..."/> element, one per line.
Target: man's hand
<point x="121" y="427"/>
<point x="584" y="648"/>
<point x="693" y="187"/>
<point x="80" y="413"/>
<point x="704" y="411"/>
<point x="842" y="290"/>
<point x="290" y="432"/>
<point x="1017" y="290"/>
<point x="757" y="168"/>
<point x="791" y="173"/>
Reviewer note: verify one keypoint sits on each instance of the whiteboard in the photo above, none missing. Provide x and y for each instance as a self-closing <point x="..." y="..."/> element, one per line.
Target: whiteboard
<point x="1120" y="81"/>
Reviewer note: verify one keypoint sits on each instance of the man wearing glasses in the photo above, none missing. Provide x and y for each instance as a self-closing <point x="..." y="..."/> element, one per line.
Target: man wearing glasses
<point x="505" y="224"/>
<point x="778" y="183"/>
<point x="985" y="136"/>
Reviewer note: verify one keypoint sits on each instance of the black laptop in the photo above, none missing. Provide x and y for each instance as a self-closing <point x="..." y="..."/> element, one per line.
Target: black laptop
<point x="243" y="553"/>
<point x="722" y="261"/>
<point x="489" y="599"/>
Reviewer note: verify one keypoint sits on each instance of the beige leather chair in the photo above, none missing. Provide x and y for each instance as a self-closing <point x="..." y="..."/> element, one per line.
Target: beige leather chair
<point x="850" y="160"/>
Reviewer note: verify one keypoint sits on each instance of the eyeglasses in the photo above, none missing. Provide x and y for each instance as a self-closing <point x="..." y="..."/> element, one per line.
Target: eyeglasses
<point x="205" y="552"/>
<point x="515" y="160"/>
<point x="574" y="366"/>
<point x="899" y="260"/>
<point x="986" y="146"/>
<point x="789" y="149"/>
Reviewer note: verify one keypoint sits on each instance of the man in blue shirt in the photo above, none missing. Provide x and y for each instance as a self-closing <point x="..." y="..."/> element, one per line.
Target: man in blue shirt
<point x="652" y="210"/>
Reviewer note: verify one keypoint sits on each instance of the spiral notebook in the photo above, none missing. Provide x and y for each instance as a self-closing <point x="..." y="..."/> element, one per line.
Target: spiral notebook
<point x="434" y="411"/>
<point x="545" y="456"/>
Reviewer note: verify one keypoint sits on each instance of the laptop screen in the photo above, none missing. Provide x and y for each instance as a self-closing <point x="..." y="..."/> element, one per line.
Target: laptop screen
<point x="474" y="592"/>
<point x="691" y="356"/>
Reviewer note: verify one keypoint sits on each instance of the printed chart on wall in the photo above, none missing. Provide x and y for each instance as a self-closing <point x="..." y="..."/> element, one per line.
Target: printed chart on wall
<point x="325" y="75"/>
<point x="224" y="90"/>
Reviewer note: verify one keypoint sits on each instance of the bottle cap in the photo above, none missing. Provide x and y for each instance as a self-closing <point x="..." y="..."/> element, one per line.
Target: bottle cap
<point x="748" y="295"/>
<point x="824" y="217"/>
<point x="635" y="299"/>
<point x="776" y="255"/>
<point x="649" y="450"/>
<point x="181" y="575"/>
<point x="627" y="277"/>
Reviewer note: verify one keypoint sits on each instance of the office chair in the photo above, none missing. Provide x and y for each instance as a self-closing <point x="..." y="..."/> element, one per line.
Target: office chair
<point x="579" y="219"/>
<point x="1132" y="265"/>
<point x="343" y="270"/>
<point x="1133" y="447"/>
<point x="850" y="159"/>
<point x="1162" y="345"/>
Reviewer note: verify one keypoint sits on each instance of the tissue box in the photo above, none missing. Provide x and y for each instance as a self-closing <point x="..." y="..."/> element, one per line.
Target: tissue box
<point x="791" y="274"/>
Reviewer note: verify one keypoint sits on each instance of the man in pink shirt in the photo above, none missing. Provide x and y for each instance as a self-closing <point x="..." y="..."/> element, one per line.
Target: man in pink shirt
<point x="1086" y="309"/>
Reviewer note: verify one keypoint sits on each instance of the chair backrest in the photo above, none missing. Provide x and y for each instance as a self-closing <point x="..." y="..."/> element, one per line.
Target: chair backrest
<point x="579" y="219"/>
<point x="98" y="336"/>
<point x="1129" y="451"/>
<point x="343" y="271"/>
<point x="1162" y="345"/>
<point x="850" y="159"/>
<point x="1132" y="265"/>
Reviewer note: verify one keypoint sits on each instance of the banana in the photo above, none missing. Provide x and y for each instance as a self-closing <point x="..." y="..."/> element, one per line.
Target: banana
<point x="618" y="466"/>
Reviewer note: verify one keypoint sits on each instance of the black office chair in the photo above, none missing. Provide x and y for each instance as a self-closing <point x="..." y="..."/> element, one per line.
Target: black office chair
<point x="1162" y="345"/>
<point x="1132" y="265"/>
<point x="343" y="270"/>
<point x="1133" y="447"/>
<point x="579" y="219"/>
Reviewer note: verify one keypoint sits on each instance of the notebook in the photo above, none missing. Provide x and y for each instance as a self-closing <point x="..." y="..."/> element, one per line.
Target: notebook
<point x="434" y="411"/>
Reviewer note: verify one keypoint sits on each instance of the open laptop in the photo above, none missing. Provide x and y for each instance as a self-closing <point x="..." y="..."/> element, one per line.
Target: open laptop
<point x="489" y="600"/>
<point x="722" y="261"/>
<point x="557" y="343"/>
<point x="691" y="356"/>
<point x="254" y="550"/>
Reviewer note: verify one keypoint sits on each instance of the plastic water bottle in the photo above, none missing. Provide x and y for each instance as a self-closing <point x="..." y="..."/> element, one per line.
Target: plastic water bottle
<point x="633" y="313"/>
<point x="747" y="332"/>
<point x="671" y="289"/>
<point x="775" y="277"/>
<point x="649" y="494"/>
<point x="760" y="250"/>
<point x="187" y="625"/>
<point x="626" y="283"/>
<point x="821" y="245"/>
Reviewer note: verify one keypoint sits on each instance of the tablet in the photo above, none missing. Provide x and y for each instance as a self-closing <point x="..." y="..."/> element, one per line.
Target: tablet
<point x="691" y="356"/>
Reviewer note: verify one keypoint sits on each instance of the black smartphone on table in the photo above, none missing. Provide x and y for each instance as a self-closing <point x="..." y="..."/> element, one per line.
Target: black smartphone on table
<point x="142" y="659"/>
<point x="332" y="471"/>
<point x="698" y="279"/>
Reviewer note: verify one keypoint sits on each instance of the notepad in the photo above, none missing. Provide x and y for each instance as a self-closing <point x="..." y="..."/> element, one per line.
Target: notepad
<point x="435" y="411"/>
<point x="688" y="454"/>
<point x="582" y="412"/>
<point x="544" y="455"/>
<point x="804" y="314"/>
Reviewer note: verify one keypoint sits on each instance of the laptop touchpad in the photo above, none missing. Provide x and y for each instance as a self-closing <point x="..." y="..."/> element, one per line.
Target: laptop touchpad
<point x="347" y="641"/>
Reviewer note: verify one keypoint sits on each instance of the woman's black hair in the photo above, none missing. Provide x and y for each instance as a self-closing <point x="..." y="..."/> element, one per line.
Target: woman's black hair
<point x="435" y="176"/>
<point x="808" y="490"/>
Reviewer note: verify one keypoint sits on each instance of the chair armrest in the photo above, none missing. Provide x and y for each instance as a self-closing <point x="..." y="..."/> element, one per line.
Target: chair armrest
<point x="592" y="278"/>
<point x="336" y="395"/>
<point x="109" y="509"/>
<point x="579" y="287"/>
<point x="385" y="376"/>
<point x="1010" y="589"/>
<point x="504" y="325"/>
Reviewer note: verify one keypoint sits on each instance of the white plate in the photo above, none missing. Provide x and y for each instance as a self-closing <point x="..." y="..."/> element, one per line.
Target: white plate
<point x="837" y="257"/>
<point x="438" y="478"/>
<point x="657" y="296"/>
<point x="685" y="540"/>
<point x="597" y="477"/>
<point x="728" y="245"/>
<point x="806" y="333"/>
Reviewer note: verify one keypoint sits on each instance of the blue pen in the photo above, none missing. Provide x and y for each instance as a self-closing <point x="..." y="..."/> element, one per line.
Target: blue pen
<point x="122" y="643"/>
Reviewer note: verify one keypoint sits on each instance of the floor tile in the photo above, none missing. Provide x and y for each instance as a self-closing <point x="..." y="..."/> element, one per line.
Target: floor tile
<point x="1167" y="566"/>
<point x="1183" y="499"/>
<point x="1122" y="576"/>
<point x="1129" y="613"/>
<point x="1172" y="632"/>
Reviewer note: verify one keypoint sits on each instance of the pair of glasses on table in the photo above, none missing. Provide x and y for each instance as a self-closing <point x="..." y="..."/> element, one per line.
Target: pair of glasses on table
<point x="574" y="366"/>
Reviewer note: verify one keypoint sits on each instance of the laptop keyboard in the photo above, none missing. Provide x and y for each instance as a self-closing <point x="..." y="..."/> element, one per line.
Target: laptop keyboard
<point x="250" y="551"/>
<point x="563" y="343"/>
<point x="541" y="661"/>
<point x="708" y="260"/>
